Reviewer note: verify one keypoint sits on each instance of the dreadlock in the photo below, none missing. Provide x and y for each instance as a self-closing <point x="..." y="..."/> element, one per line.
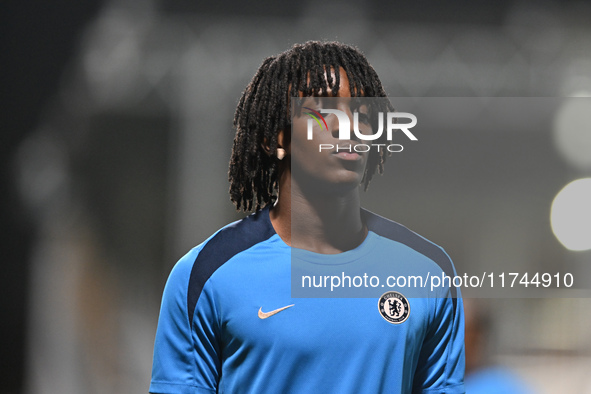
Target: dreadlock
<point x="263" y="110"/>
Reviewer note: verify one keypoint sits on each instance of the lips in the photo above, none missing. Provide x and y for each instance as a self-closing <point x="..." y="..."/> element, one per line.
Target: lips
<point x="348" y="156"/>
<point x="346" y="152"/>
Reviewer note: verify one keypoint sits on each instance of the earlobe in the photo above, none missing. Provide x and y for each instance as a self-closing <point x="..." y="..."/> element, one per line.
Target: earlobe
<point x="281" y="145"/>
<point x="283" y="140"/>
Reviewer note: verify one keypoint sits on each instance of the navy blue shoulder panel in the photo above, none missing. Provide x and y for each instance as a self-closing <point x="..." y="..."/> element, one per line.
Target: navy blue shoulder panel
<point x="227" y="243"/>
<point x="397" y="232"/>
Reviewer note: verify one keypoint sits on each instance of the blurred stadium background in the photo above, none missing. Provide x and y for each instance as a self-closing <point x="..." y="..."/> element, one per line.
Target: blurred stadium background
<point x="116" y="133"/>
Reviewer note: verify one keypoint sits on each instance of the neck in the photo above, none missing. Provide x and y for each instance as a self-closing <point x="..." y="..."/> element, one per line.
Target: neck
<point x="326" y="223"/>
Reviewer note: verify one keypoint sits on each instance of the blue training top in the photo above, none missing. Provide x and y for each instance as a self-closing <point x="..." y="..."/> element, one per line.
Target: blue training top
<point x="228" y="322"/>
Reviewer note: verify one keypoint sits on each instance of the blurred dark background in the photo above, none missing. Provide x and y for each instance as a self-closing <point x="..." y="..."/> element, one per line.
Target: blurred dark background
<point x="116" y="131"/>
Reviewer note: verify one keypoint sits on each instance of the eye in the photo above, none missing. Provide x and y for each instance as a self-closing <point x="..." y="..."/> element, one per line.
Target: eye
<point x="363" y="117"/>
<point x="312" y="102"/>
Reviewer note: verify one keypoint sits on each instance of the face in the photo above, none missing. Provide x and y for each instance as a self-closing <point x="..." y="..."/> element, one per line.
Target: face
<point x="336" y="167"/>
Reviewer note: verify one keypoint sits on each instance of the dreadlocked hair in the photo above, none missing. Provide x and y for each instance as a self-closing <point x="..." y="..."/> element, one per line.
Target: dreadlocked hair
<point x="263" y="110"/>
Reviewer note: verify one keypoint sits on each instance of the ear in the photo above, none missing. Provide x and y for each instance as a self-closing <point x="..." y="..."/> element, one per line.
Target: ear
<point x="281" y="140"/>
<point x="281" y="145"/>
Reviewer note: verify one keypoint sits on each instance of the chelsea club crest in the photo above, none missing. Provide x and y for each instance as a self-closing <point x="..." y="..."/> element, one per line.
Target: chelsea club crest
<point x="394" y="307"/>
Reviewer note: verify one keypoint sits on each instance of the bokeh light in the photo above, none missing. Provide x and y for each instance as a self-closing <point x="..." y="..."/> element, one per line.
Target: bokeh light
<point x="572" y="131"/>
<point x="571" y="215"/>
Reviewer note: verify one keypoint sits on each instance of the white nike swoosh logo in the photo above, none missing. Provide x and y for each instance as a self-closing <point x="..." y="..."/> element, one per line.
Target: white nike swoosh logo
<point x="264" y="315"/>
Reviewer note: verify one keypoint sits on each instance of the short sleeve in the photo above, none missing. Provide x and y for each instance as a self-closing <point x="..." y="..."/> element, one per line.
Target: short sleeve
<point x="186" y="356"/>
<point x="442" y="357"/>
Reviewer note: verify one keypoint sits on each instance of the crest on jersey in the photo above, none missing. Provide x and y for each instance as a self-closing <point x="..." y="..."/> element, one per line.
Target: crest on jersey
<point x="394" y="307"/>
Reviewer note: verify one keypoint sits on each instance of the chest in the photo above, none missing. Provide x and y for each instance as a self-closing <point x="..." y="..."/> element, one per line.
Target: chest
<point x="259" y="314"/>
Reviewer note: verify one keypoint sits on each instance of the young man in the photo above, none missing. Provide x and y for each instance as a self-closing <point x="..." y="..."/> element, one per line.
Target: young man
<point x="228" y="322"/>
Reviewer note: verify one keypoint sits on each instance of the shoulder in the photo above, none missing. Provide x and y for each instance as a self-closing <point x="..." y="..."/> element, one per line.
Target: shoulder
<point x="398" y="233"/>
<point x="231" y="240"/>
<point x="236" y="237"/>
<point x="197" y="266"/>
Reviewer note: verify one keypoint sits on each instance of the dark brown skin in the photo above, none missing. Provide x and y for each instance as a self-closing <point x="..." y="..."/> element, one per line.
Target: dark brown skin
<point x="318" y="205"/>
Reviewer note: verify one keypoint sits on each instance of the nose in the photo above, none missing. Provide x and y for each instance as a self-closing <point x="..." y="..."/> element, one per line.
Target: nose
<point x="352" y="132"/>
<point x="334" y="125"/>
<point x="344" y="119"/>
